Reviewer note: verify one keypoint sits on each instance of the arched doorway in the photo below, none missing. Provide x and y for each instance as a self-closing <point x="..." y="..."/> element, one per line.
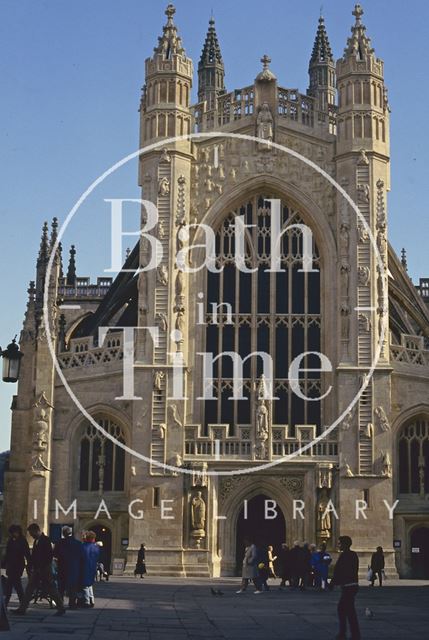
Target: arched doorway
<point x="256" y="526"/>
<point x="104" y="535"/>
<point x="419" y="541"/>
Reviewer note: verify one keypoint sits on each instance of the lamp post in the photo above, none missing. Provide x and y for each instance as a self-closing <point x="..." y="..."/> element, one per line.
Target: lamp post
<point x="11" y="362"/>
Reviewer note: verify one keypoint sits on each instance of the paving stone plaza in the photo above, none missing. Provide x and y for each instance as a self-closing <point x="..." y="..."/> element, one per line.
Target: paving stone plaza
<point x="182" y="609"/>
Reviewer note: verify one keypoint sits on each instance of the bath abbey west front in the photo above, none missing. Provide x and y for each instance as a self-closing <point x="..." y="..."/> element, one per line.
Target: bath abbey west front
<point x="194" y="523"/>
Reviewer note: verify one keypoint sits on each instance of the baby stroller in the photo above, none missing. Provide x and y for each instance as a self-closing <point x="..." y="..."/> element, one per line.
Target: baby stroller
<point x="40" y="593"/>
<point x="101" y="573"/>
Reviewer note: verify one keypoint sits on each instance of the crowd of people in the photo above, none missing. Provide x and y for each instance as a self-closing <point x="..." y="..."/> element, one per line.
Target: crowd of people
<point x="67" y="568"/>
<point x="303" y="566"/>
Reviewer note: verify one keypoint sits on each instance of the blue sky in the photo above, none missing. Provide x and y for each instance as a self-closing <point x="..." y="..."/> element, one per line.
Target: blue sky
<point x="71" y="74"/>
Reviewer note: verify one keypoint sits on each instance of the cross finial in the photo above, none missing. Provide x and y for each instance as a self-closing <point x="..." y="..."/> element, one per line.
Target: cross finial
<point x="321" y="11"/>
<point x="265" y="61"/>
<point x="357" y="13"/>
<point x="169" y="12"/>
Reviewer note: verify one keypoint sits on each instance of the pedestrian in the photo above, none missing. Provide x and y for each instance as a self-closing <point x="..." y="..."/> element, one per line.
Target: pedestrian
<point x="91" y="554"/>
<point x="271" y="559"/>
<point x="315" y="580"/>
<point x="16" y="558"/>
<point x="261" y="581"/>
<point x="346" y="576"/>
<point x="41" y="574"/>
<point x="141" y="564"/>
<point x="305" y="566"/>
<point x="69" y="554"/>
<point x="249" y="571"/>
<point x="377" y="566"/>
<point x="295" y="562"/>
<point x="325" y="560"/>
<point x="284" y="565"/>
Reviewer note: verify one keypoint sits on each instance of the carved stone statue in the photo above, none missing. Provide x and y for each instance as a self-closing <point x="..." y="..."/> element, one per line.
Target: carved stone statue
<point x="386" y="465"/>
<point x="164" y="187"/>
<point x="264" y="126"/>
<point x="40" y="430"/>
<point x="363" y="276"/>
<point x="198" y="515"/>
<point x="162" y="275"/>
<point x="382" y="420"/>
<point x="324" y="523"/>
<point x="345" y="321"/>
<point x="157" y="380"/>
<point x="261" y="419"/>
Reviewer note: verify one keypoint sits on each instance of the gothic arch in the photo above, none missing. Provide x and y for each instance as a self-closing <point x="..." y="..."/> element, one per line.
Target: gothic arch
<point x="419" y="412"/>
<point x="232" y="505"/>
<point x="323" y="237"/>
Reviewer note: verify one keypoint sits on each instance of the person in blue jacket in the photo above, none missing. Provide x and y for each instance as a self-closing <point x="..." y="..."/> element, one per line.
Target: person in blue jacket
<point x="69" y="554"/>
<point x="91" y="552"/>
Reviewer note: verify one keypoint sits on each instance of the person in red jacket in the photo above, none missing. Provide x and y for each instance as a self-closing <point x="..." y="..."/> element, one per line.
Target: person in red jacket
<point x="346" y="576"/>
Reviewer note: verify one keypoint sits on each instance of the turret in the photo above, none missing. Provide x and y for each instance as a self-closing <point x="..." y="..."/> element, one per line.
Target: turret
<point x="363" y="113"/>
<point x="322" y="70"/>
<point x="211" y="70"/>
<point x="167" y="90"/>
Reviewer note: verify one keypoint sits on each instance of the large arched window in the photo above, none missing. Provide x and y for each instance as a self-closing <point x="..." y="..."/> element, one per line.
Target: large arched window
<point x="101" y="462"/>
<point x="414" y="457"/>
<point x="274" y="312"/>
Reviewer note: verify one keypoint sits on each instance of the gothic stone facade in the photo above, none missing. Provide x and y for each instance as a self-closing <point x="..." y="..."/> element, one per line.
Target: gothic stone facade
<point x="380" y="449"/>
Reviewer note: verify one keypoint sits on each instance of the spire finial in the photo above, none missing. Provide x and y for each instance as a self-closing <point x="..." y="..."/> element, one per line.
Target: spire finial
<point x="44" y="243"/>
<point x="358" y="13"/>
<point x="404" y="258"/>
<point x="71" y="271"/>
<point x="169" y="12"/>
<point x="266" y="60"/>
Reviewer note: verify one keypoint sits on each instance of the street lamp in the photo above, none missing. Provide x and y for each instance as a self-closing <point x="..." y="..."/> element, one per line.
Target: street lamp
<point x="11" y="362"/>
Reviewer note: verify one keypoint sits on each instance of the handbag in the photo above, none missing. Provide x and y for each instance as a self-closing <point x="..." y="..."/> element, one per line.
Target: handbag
<point x="369" y="575"/>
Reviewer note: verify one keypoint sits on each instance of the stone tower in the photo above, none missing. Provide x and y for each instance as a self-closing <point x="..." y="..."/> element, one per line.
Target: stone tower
<point x="362" y="161"/>
<point x="211" y="70"/>
<point x="322" y="70"/>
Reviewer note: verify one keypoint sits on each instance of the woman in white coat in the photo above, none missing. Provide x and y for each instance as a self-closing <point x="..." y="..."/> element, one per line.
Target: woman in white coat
<point x="250" y="570"/>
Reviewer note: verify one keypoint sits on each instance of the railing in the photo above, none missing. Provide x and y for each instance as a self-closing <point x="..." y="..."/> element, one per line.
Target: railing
<point x="401" y="354"/>
<point x="217" y="445"/>
<point x="238" y="104"/>
<point x="83" y="288"/>
<point x="81" y="353"/>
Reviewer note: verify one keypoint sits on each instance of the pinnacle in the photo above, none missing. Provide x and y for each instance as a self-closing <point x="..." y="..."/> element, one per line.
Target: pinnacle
<point x="211" y="52"/>
<point x="322" y="51"/>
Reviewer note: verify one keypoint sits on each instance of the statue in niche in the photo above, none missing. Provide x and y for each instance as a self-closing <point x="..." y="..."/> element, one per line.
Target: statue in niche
<point x="164" y="187"/>
<point x="362" y="233"/>
<point x="386" y="465"/>
<point x="344" y="238"/>
<point x="198" y="514"/>
<point x="345" y="277"/>
<point x="179" y="325"/>
<point x="264" y="124"/>
<point x="364" y="322"/>
<point x="363" y="276"/>
<point x="261" y="419"/>
<point x="324" y="521"/>
<point x="40" y="440"/>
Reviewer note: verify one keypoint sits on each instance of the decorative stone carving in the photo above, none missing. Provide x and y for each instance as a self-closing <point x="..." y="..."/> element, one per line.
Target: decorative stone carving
<point x="363" y="158"/>
<point x="159" y="430"/>
<point x="40" y="443"/>
<point x="162" y="275"/>
<point x="382" y="420"/>
<point x="164" y="187"/>
<point x="345" y="321"/>
<point x="262" y="420"/>
<point x="294" y="485"/>
<point x="228" y="484"/>
<point x="363" y="193"/>
<point x="162" y="321"/>
<point x="198" y="515"/>
<point x="175" y="461"/>
<point x="345" y="277"/>
<point x="199" y="476"/>
<point x="364" y="323"/>
<point x="324" y="475"/>
<point x="386" y="464"/>
<point x="362" y="233"/>
<point x="324" y="522"/>
<point x="175" y="415"/>
<point x="346" y="471"/>
<point x="364" y="275"/>
<point x="347" y="421"/>
<point x="181" y="201"/>
<point x="164" y="157"/>
<point x="264" y="126"/>
<point x="158" y="377"/>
